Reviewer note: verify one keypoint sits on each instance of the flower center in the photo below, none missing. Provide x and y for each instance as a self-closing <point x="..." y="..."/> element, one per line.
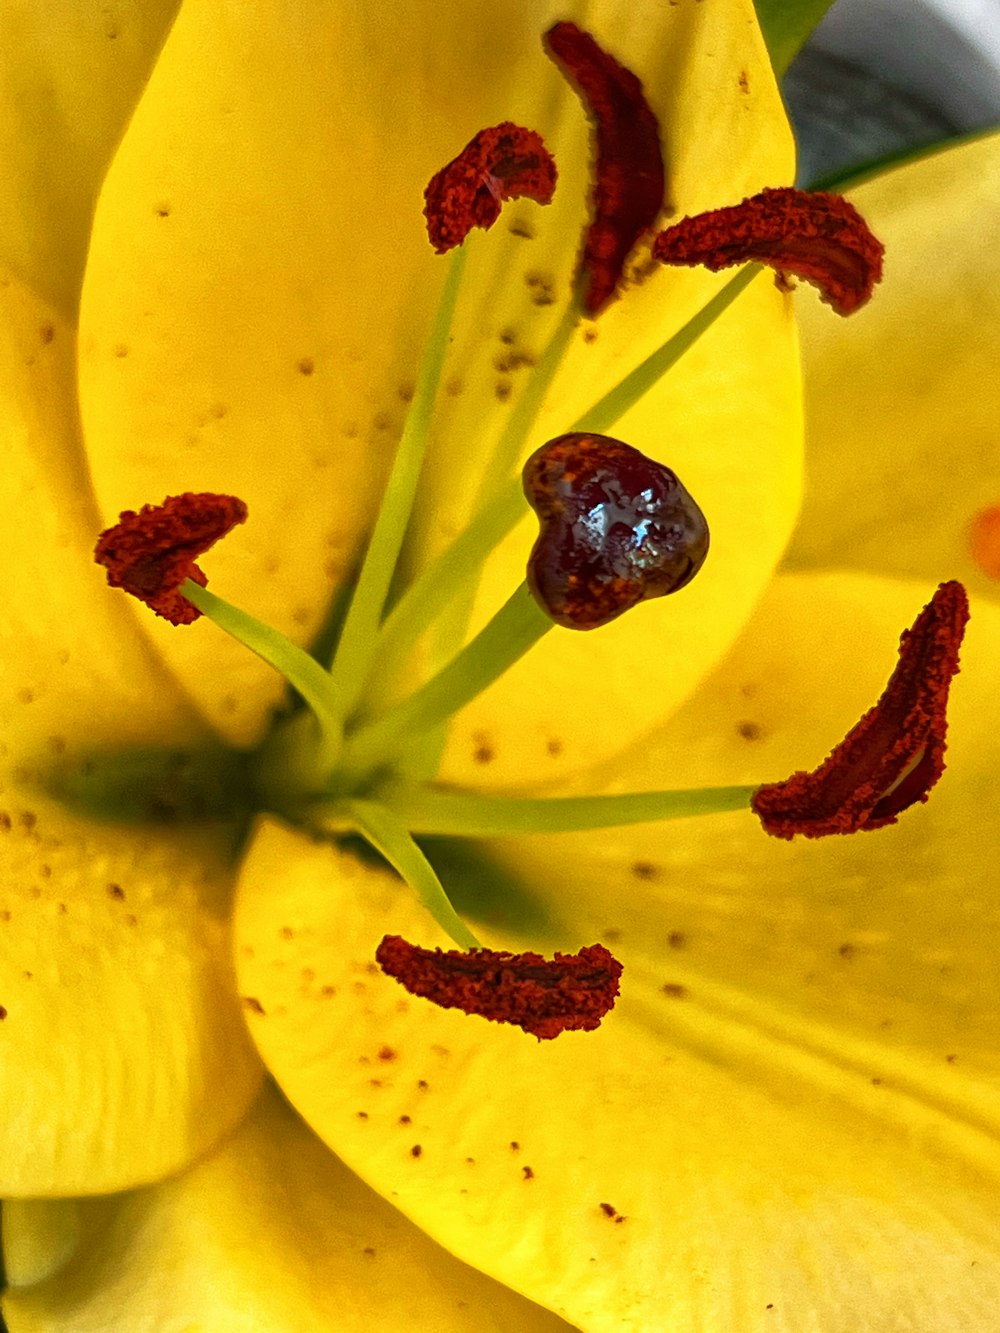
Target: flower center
<point x="616" y="530"/>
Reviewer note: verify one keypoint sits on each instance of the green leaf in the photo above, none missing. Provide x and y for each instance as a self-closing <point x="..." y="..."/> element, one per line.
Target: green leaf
<point x="786" y="24"/>
<point x="850" y="177"/>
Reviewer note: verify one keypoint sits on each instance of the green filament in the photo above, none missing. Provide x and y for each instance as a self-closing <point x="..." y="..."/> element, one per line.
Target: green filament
<point x="383" y="829"/>
<point x="516" y="628"/>
<point x="431" y="592"/>
<point x="302" y="672"/>
<point x="438" y="812"/>
<point x="357" y="646"/>
<point x="633" y="388"/>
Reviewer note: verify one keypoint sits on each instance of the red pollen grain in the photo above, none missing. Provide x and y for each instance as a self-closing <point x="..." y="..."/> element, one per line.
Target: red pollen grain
<point x="818" y="237"/>
<point x="629" y="174"/>
<point x="152" y="552"/>
<point x="543" y="996"/>
<point x="893" y="757"/>
<point x="500" y="163"/>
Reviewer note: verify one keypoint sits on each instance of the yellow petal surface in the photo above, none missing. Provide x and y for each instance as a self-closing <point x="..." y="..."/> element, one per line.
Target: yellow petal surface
<point x="124" y="1053"/>
<point x="789" y="1121"/>
<point x="270" y="1235"/>
<point x="69" y="77"/>
<point x="260" y="289"/>
<point x="903" y="399"/>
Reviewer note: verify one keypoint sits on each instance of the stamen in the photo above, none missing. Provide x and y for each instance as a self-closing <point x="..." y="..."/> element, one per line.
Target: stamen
<point x="617" y="529"/>
<point x="629" y="175"/>
<point x="500" y="163"/>
<point x="819" y="237"/>
<point x="895" y="754"/>
<point x="542" y="996"/>
<point x="151" y="552"/>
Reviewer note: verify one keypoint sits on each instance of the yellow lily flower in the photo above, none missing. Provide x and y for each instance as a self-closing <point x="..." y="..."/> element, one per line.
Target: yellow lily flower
<point x="787" y="1120"/>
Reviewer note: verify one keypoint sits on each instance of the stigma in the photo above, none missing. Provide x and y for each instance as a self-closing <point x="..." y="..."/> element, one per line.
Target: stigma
<point x="617" y="528"/>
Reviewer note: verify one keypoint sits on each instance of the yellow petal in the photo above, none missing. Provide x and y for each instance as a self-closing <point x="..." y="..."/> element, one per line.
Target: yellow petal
<point x="71" y="74"/>
<point x="789" y="1120"/>
<point x="124" y="1050"/>
<point x="261" y="285"/>
<point x="270" y="1235"/>
<point x="903" y="399"/>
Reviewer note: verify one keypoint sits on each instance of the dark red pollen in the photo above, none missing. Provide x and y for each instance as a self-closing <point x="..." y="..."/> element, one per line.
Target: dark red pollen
<point x="629" y="176"/>
<point x="504" y="162"/>
<point x="543" y="996"/>
<point x="895" y="754"/>
<point x="616" y="529"/>
<point x="152" y="552"/>
<point x="818" y="237"/>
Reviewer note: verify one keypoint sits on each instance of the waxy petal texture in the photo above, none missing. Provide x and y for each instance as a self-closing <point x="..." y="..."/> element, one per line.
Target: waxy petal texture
<point x="796" y="1091"/>
<point x="903" y="405"/>
<point x="124" y="1054"/>
<point x="70" y="77"/>
<point x="121" y="1055"/>
<point x="270" y="1235"/>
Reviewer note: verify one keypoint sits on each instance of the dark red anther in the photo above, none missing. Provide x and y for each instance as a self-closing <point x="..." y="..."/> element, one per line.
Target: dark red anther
<point x="617" y="528"/>
<point x="152" y="552"/>
<point x="895" y="754"/>
<point x="629" y="177"/>
<point x="819" y="237"/>
<point x="504" y="162"/>
<point x="541" y="995"/>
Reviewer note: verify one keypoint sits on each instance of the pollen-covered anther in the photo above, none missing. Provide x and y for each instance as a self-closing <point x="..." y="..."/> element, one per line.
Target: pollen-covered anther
<point x="629" y="175"/>
<point x="821" y="238"/>
<point x="615" y="529"/>
<point x="895" y="754"/>
<point x="151" y="552"/>
<point x="500" y="163"/>
<point x="544" y="996"/>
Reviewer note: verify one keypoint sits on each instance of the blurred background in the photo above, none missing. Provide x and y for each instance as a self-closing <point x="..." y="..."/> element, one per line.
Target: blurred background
<point x="880" y="77"/>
